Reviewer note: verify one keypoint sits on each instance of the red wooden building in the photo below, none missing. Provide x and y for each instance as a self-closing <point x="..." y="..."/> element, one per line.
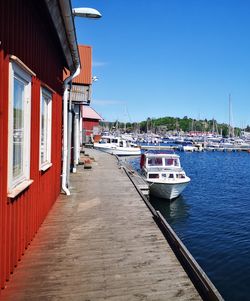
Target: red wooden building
<point x="90" y="120"/>
<point x="81" y="98"/>
<point x="37" y="43"/>
<point x="81" y="94"/>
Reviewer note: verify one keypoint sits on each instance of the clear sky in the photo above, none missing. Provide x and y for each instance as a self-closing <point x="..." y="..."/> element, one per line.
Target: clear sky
<point x="169" y="58"/>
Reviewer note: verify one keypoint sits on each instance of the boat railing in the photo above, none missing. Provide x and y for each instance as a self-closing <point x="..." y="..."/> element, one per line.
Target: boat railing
<point x="163" y="168"/>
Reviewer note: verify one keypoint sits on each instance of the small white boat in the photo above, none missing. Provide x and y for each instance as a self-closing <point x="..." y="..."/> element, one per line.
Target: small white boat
<point x="188" y="148"/>
<point x="117" y="146"/>
<point x="164" y="174"/>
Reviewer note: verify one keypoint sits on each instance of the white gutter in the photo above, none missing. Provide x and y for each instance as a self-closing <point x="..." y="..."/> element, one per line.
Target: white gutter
<point x="76" y="137"/>
<point x="63" y="20"/>
<point x="65" y="127"/>
<point x="60" y="12"/>
<point x="68" y="19"/>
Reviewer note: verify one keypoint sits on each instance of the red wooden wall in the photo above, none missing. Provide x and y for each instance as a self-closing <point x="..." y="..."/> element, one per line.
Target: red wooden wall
<point x="26" y="32"/>
<point x="88" y="125"/>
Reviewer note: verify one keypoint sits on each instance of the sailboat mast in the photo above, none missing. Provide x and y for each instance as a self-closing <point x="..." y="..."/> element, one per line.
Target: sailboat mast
<point x="230" y="126"/>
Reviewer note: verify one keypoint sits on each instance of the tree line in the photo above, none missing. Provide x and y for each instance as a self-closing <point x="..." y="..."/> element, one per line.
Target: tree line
<point x="176" y="124"/>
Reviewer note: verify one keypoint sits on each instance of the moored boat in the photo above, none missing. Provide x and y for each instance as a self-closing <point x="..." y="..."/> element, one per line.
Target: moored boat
<point x="117" y="146"/>
<point x="163" y="172"/>
<point x="188" y="148"/>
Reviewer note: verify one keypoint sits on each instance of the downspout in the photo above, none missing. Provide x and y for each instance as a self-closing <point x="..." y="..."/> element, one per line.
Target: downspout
<point x="63" y="20"/>
<point x="76" y="138"/>
<point x="66" y="83"/>
<point x="68" y="19"/>
<point x="80" y="126"/>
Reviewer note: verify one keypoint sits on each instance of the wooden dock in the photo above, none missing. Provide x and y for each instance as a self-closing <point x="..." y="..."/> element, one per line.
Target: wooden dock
<point x="159" y="147"/>
<point x="137" y="179"/>
<point x="177" y="147"/>
<point x="100" y="243"/>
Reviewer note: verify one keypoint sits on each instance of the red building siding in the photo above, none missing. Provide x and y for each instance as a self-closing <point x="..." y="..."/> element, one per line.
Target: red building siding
<point x="85" y="76"/>
<point x="3" y="166"/>
<point x="24" y="29"/>
<point x="88" y="125"/>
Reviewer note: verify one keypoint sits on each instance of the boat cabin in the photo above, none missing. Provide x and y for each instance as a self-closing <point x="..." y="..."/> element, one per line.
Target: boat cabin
<point x="163" y="162"/>
<point x="116" y="141"/>
<point x="161" y="166"/>
<point x="109" y="140"/>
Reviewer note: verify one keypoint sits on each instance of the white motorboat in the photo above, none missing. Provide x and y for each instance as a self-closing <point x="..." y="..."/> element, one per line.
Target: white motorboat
<point x="188" y="148"/>
<point x="117" y="146"/>
<point x="164" y="174"/>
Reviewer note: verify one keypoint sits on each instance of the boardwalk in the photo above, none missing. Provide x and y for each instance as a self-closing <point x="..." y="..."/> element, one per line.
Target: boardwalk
<point x="100" y="243"/>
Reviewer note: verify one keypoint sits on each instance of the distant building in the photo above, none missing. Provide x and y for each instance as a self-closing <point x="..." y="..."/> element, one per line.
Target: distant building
<point x="245" y="135"/>
<point x="90" y="121"/>
<point x="82" y="84"/>
<point x="81" y="94"/>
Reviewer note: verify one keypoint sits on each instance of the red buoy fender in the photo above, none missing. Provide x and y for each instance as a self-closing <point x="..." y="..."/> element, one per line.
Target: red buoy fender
<point x="142" y="160"/>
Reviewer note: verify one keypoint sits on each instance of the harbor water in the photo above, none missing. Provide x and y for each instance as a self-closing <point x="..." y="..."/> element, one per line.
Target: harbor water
<point x="212" y="218"/>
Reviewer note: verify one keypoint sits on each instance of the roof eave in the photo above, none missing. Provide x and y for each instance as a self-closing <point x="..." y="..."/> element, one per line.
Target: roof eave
<point x="63" y="20"/>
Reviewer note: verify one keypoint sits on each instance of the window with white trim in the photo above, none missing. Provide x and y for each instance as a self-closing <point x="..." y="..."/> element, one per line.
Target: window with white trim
<point x="19" y="126"/>
<point x="45" y="128"/>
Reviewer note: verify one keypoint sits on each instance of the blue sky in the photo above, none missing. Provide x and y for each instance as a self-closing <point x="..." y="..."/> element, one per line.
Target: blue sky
<point x="169" y="58"/>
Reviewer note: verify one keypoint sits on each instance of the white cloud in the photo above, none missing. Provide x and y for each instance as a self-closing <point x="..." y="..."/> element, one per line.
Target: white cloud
<point x="98" y="64"/>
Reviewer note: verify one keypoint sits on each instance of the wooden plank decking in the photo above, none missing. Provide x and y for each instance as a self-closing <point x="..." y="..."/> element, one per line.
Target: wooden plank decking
<point x="100" y="243"/>
<point x="137" y="179"/>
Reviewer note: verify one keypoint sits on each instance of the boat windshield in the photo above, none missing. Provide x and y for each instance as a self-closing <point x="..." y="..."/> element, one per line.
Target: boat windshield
<point x="105" y="140"/>
<point x="172" y="162"/>
<point x="154" y="161"/>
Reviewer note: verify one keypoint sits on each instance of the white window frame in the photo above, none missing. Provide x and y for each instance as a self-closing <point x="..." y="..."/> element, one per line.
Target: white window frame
<point x="48" y="129"/>
<point x="16" y="185"/>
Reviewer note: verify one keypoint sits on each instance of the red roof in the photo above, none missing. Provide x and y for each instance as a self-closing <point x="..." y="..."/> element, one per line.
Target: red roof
<point x="85" y="76"/>
<point x="88" y="112"/>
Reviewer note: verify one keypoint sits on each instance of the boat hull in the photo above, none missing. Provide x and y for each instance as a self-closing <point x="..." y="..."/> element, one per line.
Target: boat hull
<point x="126" y="152"/>
<point x="167" y="191"/>
<point x="119" y="151"/>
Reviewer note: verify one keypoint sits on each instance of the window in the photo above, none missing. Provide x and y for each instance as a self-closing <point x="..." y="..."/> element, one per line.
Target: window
<point x="176" y="162"/>
<point x="45" y="129"/>
<point x="114" y="141"/>
<point x="19" y="126"/>
<point x="153" y="176"/>
<point x="155" y="161"/>
<point x="169" y="162"/>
